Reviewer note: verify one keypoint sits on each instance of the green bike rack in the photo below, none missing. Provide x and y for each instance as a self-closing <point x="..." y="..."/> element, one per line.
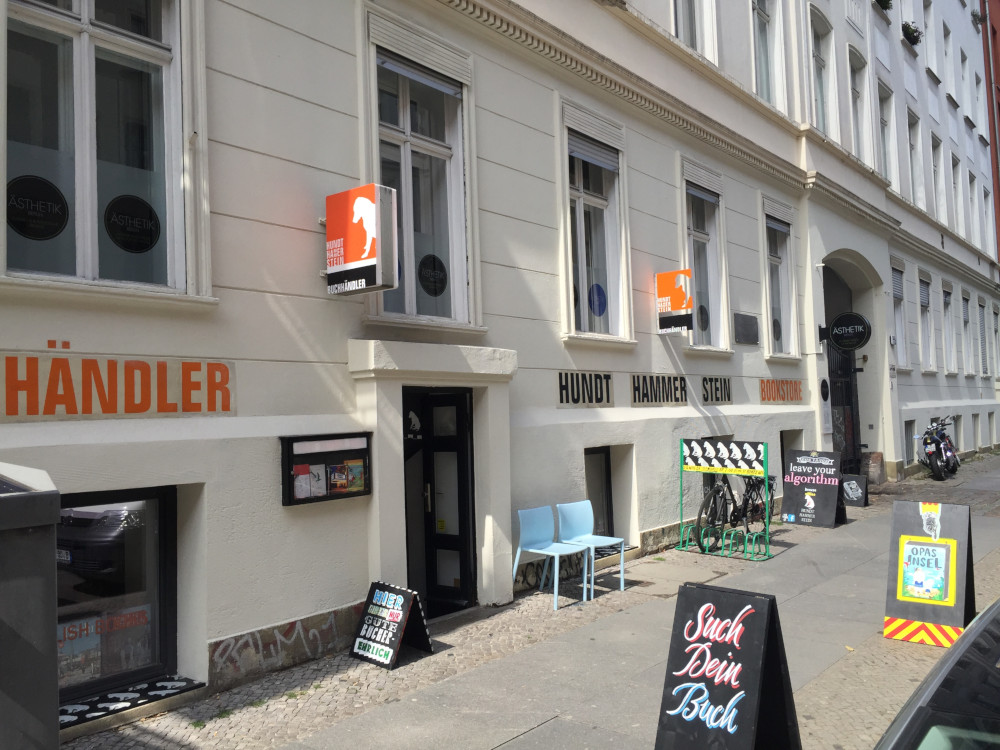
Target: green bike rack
<point x="755" y="546"/>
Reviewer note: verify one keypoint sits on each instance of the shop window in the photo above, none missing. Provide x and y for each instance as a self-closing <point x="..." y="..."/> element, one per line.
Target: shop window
<point x="116" y="584"/>
<point x="94" y="146"/>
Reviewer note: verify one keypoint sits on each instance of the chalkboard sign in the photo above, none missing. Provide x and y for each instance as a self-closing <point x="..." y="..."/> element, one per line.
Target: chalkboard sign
<point x="931" y="595"/>
<point x="387" y="622"/>
<point x="854" y="490"/>
<point x="727" y="683"/>
<point x="812" y="488"/>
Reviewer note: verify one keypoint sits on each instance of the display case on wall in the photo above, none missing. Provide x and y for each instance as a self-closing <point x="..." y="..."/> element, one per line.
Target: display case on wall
<point x="325" y="467"/>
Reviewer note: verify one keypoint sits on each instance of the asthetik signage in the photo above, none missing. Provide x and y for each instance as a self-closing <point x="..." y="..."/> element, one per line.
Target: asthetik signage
<point x="53" y="387"/>
<point x="361" y="240"/>
<point x="850" y="331"/>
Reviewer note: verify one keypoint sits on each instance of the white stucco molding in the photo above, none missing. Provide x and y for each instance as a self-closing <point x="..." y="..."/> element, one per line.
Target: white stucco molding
<point x="440" y="363"/>
<point x="531" y="32"/>
<point x="821" y="186"/>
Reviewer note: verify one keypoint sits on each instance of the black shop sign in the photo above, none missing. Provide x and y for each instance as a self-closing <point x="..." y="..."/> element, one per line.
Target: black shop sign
<point x="849" y="331"/>
<point x="727" y="684"/>
<point x="391" y="617"/>
<point x="812" y="488"/>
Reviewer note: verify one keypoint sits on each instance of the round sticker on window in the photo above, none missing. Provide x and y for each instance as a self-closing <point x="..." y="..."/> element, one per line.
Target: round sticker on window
<point x="703" y="319"/>
<point x="36" y="209"/>
<point x="598" y="300"/>
<point x="432" y="275"/>
<point x="132" y="224"/>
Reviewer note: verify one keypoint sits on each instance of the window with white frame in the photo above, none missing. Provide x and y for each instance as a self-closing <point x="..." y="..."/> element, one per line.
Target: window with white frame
<point x="996" y="340"/>
<point x="763" y="48"/>
<point x="948" y="323"/>
<point x="821" y="72"/>
<point x="420" y="156"/>
<point x="973" y="210"/>
<point x="946" y="65"/>
<point x="899" y="317"/>
<point x="704" y="257"/>
<point x="779" y="285"/>
<point x="988" y="228"/>
<point x="984" y="360"/>
<point x="595" y="233"/>
<point x="694" y="24"/>
<point x="964" y="83"/>
<point x="968" y="346"/>
<point x="926" y="326"/>
<point x="977" y="106"/>
<point x="859" y="118"/>
<point x="937" y="165"/>
<point x="886" y="135"/>
<point x="930" y="39"/>
<point x="95" y="154"/>
<point x="956" y="195"/>
<point x="916" y="162"/>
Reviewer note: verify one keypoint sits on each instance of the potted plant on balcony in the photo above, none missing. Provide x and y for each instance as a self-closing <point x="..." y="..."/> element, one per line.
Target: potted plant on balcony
<point x="884" y="4"/>
<point x="912" y="33"/>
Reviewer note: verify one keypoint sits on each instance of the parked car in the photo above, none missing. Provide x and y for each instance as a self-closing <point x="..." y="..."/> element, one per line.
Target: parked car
<point x="957" y="706"/>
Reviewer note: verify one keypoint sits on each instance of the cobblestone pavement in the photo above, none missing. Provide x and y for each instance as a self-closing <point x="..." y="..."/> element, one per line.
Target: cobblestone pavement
<point x="862" y="691"/>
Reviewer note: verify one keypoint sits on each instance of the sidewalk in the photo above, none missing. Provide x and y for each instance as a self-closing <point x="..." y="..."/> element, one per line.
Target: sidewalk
<point x="591" y="675"/>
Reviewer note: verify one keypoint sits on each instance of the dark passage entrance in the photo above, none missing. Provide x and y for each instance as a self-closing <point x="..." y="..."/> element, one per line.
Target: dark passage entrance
<point x="440" y="522"/>
<point x="843" y="379"/>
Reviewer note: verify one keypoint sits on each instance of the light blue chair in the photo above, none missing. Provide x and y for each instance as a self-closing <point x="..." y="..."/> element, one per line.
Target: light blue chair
<point x="538" y="535"/>
<point x="576" y="526"/>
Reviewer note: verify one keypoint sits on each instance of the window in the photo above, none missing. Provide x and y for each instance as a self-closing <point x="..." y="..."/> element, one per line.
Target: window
<point x="686" y="22"/>
<point x="948" y="315"/>
<point x="940" y="205"/>
<point x="964" y="90"/>
<point x="949" y="74"/>
<point x="996" y="340"/>
<point x="973" y="210"/>
<point x="899" y="318"/>
<point x="762" y="48"/>
<point x="778" y="285"/>
<point x="909" y="428"/>
<point x="956" y="195"/>
<point x="926" y="326"/>
<point x="984" y="362"/>
<point x="705" y="264"/>
<point x="916" y="164"/>
<point x="820" y="72"/>
<point x="968" y="348"/>
<point x="930" y="39"/>
<point x="595" y="232"/>
<point x="115" y="571"/>
<point x="977" y="106"/>
<point x="885" y="133"/>
<point x="420" y="155"/>
<point x="987" y="236"/>
<point x="94" y="147"/>
<point x="858" y="110"/>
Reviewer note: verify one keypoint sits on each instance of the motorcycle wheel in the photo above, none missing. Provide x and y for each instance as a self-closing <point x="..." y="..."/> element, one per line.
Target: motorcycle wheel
<point x="937" y="467"/>
<point x="951" y="464"/>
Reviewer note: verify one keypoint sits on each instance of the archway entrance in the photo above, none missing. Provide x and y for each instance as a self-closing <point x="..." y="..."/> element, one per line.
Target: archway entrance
<point x="839" y="298"/>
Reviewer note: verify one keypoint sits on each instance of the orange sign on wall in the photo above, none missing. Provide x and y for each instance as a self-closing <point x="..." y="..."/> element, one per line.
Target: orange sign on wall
<point x="361" y="240"/>
<point x="672" y="300"/>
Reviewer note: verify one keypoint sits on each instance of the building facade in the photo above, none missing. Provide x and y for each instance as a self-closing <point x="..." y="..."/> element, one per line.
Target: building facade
<point x="241" y="452"/>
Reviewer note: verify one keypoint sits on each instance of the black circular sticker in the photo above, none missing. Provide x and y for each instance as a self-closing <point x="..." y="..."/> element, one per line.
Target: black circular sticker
<point x="824" y="390"/>
<point x="703" y="319"/>
<point x="850" y="331"/>
<point x="35" y="208"/>
<point x="132" y="224"/>
<point x="776" y="329"/>
<point x="432" y="275"/>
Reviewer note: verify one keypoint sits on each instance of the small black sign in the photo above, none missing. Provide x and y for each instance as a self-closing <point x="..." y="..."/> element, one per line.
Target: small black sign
<point x="36" y="209"/>
<point x="727" y="683"/>
<point x="132" y="224"/>
<point x="812" y="486"/>
<point x="383" y="625"/>
<point x="850" y="331"/>
<point x="930" y="565"/>
<point x="432" y="275"/>
<point x="854" y="490"/>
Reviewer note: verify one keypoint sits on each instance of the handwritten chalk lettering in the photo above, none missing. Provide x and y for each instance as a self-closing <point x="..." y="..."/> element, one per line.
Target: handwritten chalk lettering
<point x="694" y="704"/>
<point x="374" y="651"/>
<point x="707" y="625"/>
<point x="585" y="389"/>
<point x="702" y="664"/>
<point x="391" y="601"/>
<point x="716" y="390"/>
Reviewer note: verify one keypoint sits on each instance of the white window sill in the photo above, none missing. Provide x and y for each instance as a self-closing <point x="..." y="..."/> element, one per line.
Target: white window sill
<point x="598" y="341"/>
<point x="901" y="368"/>
<point x="97" y="291"/>
<point x="424" y="323"/>
<point x="782" y="358"/>
<point x="695" y="350"/>
<point x="951" y="374"/>
<point x="928" y="371"/>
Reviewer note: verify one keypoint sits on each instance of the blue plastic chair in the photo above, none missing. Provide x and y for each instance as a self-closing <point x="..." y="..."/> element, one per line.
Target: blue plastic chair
<point x="576" y="526"/>
<point x="538" y="536"/>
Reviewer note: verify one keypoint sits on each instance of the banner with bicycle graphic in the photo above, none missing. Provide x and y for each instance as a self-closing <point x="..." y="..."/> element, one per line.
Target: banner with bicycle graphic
<point x="724" y="457"/>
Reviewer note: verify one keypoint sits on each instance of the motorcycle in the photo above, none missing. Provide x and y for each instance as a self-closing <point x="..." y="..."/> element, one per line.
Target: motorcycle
<point x="938" y="450"/>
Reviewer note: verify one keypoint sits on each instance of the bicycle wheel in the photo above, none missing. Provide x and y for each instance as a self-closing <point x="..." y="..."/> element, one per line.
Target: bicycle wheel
<point x="754" y="521"/>
<point x="711" y="519"/>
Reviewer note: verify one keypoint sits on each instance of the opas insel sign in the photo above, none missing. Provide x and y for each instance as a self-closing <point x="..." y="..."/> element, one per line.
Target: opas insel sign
<point x="727" y="684"/>
<point x="361" y="240"/>
<point x="849" y="331"/>
<point x="66" y="387"/>
<point x="673" y="303"/>
<point x="724" y="457"/>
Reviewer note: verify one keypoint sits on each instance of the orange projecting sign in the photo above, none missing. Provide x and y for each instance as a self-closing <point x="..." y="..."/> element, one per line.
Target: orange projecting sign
<point x="673" y="302"/>
<point x="361" y="240"/>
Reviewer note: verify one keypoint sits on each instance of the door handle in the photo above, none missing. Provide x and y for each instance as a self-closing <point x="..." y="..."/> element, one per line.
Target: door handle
<point x="427" y="497"/>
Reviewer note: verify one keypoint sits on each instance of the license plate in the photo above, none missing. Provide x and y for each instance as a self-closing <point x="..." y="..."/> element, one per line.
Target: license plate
<point x="62" y="555"/>
<point x="930" y="449"/>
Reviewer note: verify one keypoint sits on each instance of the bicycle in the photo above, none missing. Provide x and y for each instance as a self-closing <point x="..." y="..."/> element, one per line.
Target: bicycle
<point x="721" y="507"/>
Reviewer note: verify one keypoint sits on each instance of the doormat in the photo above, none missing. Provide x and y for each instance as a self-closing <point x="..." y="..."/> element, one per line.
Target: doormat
<point x="614" y="549"/>
<point x="115" y="701"/>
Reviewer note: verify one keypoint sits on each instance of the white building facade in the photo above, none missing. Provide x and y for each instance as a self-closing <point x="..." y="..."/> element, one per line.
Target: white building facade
<point x="168" y="320"/>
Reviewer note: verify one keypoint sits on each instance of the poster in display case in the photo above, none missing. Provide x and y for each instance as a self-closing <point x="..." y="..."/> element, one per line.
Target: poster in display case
<point x="325" y="467"/>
